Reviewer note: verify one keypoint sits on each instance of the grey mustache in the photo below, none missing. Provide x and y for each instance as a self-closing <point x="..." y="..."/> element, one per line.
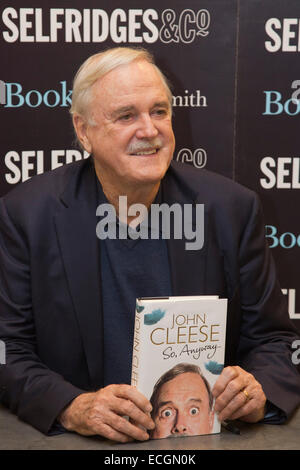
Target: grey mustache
<point x="142" y="145"/>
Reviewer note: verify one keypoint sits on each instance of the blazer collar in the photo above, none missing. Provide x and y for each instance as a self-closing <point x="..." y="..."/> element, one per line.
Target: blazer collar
<point x="76" y="231"/>
<point x="187" y="267"/>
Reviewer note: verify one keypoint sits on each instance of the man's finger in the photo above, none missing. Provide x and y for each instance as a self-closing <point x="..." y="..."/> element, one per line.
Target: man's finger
<point x="233" y="393"/>
<point x="131" y="393"/>
<point x="227" y="374"/>
<point x="126" y="407"/>
<point x="238" y="405"/>
<point x="115" y="402"/>
<point x="128" y="401"/>
<point x="110" y="433"/>
<point x="120" y="425"/>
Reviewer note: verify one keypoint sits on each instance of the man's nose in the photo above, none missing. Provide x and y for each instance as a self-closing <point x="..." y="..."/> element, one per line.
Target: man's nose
<point x="146" y="128"/>
<point x="180" y="426"/>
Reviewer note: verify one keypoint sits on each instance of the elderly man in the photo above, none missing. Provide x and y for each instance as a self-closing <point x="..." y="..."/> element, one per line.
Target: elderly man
<point x="67" y="298"/>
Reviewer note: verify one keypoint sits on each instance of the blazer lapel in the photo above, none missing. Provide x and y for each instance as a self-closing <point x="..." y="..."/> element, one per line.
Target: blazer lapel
<point x="187" y="267"/>
<point x="193" y="272"/>
<point x="76" y="231"/>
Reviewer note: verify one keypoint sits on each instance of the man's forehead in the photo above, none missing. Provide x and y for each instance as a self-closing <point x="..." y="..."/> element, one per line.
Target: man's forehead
<point x="129" y="78"/>
<point x="183" y="383"/>
<point x="117" y="110"/>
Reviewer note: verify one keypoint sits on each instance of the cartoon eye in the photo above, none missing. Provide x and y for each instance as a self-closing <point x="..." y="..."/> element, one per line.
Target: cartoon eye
<point x="168" y="413"/>
<point x="194" y="411"/>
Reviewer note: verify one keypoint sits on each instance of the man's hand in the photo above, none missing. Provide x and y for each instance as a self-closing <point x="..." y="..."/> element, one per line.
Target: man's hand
<point x="239" y="396"/>
<point x="102" y="413"/>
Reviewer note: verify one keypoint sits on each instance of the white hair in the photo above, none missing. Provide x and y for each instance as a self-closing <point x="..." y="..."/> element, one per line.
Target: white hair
<point x="99" y="65"/>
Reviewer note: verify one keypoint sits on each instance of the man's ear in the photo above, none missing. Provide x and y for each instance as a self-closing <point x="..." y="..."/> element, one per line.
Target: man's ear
<point x="81" y="127"/>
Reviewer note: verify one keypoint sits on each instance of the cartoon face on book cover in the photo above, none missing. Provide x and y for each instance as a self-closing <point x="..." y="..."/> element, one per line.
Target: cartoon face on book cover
<point x="180" y="354"/>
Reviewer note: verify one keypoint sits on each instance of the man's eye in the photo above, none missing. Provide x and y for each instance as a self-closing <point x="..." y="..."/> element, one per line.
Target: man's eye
<point x="168" y="413"/>
<point x="125" y="117"/>
<point x="194" y="411"/>
<point x="160" y="112"/>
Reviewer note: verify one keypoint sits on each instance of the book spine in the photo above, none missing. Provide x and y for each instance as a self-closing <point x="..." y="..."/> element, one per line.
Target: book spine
<point x="135" y="372"/>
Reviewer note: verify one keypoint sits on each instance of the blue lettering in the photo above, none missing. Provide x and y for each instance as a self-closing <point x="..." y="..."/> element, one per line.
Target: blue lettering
<point x="287" y="107"/>
<point x="65" y="98"/>
<point x="272" y="235"/>
<point x="283" y="237"/>
<point x="287" y="240"/>
<point x="273" y="105"/>
<point x="39" y="99"/>
<point x="46" y="98"/>
<point x="10" y="93"/>
<point x="33" y="98"/>
<point x="275" y="102"/>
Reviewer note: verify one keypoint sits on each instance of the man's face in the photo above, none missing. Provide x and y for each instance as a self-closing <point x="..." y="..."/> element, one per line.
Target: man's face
<point x="183" y="408"/>
<point x="132" y="141"/>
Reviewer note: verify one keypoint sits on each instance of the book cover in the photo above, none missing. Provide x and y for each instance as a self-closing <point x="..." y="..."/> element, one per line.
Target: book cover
<point x="178" y="354"/>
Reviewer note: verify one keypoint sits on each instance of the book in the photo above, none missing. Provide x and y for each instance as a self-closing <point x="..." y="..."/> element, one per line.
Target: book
<point x="178" y="354"/>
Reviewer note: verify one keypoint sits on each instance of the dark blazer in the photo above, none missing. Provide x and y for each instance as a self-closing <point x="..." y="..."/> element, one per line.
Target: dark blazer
<point x="50" y="287"/>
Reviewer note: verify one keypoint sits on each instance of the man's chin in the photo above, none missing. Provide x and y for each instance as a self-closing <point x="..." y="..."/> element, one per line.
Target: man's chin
<point x="152" y="173"/>
<point x="139" y="174"/>
<point x="142" y="179"/>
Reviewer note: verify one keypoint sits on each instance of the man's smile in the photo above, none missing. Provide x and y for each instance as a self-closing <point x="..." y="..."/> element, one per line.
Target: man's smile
<point x="145" y="152"/>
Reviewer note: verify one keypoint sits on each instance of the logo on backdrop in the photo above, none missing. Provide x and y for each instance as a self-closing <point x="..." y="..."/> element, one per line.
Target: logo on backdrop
<point x="97" y="25"/>
<point x="184" y="27"/>
<point x="286" y="240"/>
<point x="12" y="95"/>
<point x="275" y="104"/>
<point x="280" y="173"/>
<point x="193" y="100"/>
<point x="23" y="165"/>
<point x="284" y="35"/>
<point x="197" y="157"/>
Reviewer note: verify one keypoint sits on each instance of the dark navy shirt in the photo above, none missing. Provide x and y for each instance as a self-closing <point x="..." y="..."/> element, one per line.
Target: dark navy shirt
<point x="129" y="269"/>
